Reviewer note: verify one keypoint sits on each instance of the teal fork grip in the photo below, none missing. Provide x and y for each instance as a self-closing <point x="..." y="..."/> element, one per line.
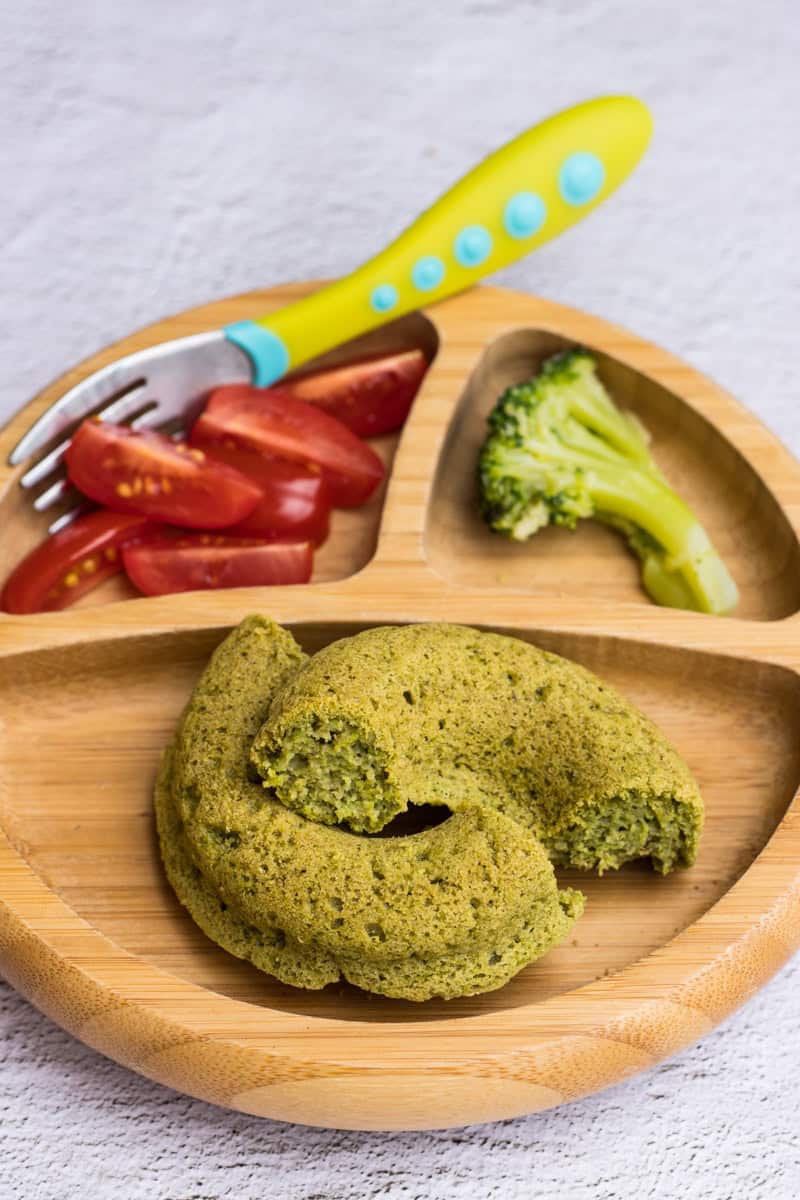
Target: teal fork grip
<point x="521" y="196"/>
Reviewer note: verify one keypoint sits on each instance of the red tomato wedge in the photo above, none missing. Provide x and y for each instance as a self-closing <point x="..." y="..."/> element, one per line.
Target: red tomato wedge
<point x="294" y="502"/>
<point x="278" y="426"/>
<point x="199" y="561"/>
<point x="71" y="562"/>
<point x="147" y="473"/>
<point x="371" y="396"/>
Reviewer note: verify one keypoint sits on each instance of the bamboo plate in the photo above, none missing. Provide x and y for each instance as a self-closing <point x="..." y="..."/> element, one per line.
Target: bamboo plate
<point x="89" y="930"/>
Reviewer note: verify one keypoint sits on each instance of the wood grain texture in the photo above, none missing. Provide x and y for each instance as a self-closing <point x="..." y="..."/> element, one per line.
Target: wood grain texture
<point x="90" y="932"/>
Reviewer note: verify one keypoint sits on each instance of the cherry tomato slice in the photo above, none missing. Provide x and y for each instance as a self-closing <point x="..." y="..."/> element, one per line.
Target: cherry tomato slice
<point x="280" y="427"/>
<point x="71" y="562"/>
<point x="147" y="473"/>
<point x="371" y="396"/>
<point x="199" y="561"/>
<point x="294" y="501"/>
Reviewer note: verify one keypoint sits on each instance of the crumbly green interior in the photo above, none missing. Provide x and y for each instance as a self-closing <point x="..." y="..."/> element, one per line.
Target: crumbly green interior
<point x="661" y="828"/>
<point x="330" y="770"/>
<point x="532" y="756"/>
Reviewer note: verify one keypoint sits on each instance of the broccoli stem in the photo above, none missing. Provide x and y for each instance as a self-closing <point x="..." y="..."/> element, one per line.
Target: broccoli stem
<point x="683" y="570"/>
<point x="680" y="567"/>
<point x="591" y="406"/>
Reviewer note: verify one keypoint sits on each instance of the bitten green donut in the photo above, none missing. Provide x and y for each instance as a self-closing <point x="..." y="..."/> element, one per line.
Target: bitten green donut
<point x="423" y="714"/>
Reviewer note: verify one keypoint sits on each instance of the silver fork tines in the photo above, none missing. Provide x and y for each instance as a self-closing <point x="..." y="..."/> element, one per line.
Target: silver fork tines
<point x="57" y="493"/>
<point x="161" y="385"/>
<point x="69" y="516"/>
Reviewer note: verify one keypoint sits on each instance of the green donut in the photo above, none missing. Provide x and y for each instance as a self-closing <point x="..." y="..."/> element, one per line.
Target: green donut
<point x="532" y="756"/>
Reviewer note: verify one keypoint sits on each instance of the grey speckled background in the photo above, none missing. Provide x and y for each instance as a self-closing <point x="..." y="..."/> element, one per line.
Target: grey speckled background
<point x="157" y="154"/>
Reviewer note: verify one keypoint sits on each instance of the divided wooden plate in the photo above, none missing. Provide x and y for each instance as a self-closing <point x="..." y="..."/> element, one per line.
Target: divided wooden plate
<point x="91" y="933"/>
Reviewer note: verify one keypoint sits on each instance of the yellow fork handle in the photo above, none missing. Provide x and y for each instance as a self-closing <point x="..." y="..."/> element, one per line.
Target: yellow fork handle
<point x="521" y="196"/>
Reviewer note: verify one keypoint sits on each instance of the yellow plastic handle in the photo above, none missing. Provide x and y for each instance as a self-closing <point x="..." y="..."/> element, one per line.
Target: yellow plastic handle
<point x="521" y="196"/>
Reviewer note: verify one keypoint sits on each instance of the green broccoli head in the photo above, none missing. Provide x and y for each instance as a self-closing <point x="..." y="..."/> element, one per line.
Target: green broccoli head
<point x="559" y="450"/>
<point x="535" y="465"/>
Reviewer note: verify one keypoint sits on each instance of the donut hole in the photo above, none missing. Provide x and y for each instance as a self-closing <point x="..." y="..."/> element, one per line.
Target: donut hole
<point x="416" y="819"/>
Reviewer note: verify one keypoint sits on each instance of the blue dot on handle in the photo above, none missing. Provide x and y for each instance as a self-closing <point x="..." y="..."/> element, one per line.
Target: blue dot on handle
<point x="473" y="246"/>
<point x="384" y="297"/>
<point x="427" y="273"/>
<point x="581" y="177"/>
<point x="524" y="215"/>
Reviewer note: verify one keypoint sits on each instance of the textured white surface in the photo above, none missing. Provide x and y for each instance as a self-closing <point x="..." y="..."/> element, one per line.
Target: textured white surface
<point x="156" y="155"/>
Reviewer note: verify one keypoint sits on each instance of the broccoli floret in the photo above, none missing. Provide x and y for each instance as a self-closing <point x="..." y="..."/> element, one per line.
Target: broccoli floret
<point x="559" y="449"/>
